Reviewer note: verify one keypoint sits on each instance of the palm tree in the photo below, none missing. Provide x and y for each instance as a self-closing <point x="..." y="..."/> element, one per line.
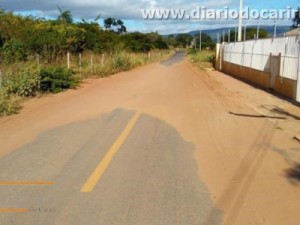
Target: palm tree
<point x="65" y="16"/>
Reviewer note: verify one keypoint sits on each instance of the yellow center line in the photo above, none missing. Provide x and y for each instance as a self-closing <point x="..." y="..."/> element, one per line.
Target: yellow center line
<point x="104" y="163"/>
<point x="13" y="210"/>
<point x="18" y="183"/>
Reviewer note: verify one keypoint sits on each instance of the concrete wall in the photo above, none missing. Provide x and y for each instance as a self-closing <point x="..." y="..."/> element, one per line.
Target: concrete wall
<point x="283" y="86"/>
<point x="253" y="76"/>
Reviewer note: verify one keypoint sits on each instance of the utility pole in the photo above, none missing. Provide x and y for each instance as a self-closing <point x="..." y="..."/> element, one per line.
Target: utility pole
<point x="229" y="31"/>
<point x="200" y="47"/>
<point x="240" y="22"/>
<point x="218" y="37"/>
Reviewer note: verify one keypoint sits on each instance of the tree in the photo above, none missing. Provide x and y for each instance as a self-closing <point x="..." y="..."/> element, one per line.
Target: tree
<point x="184" y="40"/>
<point x="115" y="25"/>
<point x="108" y="22"/>
<point x="296" y="20"/>
<point x="65" y="16"/>
<point x="120" y="26"/>
<point x="22" y="37"/>
<point x="139" y="42"/>
<point x="171" y="41"/>
<point x="250" y="34"/>
<point x="206" y="41"/>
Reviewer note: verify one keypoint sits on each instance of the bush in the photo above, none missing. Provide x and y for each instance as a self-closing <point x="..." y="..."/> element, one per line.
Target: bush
<point x="24" y="82"/>
<point x="121" y="62"/>
<point x="57" y="79"/>
<point x="13" y="51"/>
<point x="202" y="59"/>
<point x="8" y="104"/>
<point x="203" y="56"/>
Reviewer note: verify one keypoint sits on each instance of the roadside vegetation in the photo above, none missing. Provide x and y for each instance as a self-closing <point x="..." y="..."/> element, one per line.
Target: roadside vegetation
<point x="203" y="60"/>
<point x="49" y="56"/>
<point x="39" y="55"/>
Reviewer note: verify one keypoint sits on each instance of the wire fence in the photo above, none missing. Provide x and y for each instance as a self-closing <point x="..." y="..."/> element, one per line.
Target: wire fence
<point x="85" y="64"/>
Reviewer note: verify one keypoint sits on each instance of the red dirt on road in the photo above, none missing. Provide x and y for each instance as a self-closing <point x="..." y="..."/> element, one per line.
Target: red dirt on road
<point x="244" y="159"/>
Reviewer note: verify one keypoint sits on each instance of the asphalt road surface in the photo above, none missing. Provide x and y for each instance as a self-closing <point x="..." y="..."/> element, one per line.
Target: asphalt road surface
<point x="151" y="146"/>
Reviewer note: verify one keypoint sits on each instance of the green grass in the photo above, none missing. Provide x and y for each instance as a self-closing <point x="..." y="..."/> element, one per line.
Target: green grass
<point x="9" y="104"/>
<point x="202" y="59"/>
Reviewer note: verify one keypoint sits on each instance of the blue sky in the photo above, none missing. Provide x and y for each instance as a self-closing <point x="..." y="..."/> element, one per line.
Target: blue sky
<point x="130" y="11"/>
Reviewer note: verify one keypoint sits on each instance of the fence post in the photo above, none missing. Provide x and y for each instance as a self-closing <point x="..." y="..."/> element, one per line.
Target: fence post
<point x="102" y="59"/>
<point x="0" y="79"/>
<point x="79" y="62"/>
<point x="68" y="60"/>
<point x="38" y="64"/>
<point x="38" y="61"/>
<point x="92" y="66"/>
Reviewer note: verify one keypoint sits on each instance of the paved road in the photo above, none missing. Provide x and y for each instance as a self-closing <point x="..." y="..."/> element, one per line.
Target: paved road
<point x="149" y="175"/>
<point x="161" y="144"/>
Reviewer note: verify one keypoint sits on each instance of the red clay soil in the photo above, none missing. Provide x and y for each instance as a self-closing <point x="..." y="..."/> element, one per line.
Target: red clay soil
<point x="246" y="154"/>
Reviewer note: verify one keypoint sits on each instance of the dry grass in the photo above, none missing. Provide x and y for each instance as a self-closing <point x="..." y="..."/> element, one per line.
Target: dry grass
<point x="202" y="59"/>
<point x="85" y="66"/>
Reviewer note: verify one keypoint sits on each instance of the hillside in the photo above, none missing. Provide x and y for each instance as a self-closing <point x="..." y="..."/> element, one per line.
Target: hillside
<point x="213" y="32"/>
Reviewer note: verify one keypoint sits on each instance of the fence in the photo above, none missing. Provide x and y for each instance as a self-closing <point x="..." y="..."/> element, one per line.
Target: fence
<point x="259" y="55"/>
<point x="84" y="64"/>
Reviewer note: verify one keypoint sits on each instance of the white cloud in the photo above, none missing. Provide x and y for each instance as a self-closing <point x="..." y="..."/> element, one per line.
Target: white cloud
<point x="128" y="10"/>
<point x="124" y="9"/>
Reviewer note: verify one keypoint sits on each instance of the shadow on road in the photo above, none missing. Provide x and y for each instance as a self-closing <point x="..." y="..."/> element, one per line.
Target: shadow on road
<point x="280" y="111"/>
<point x="257" y="116"/>
<point x="293" y="174"/>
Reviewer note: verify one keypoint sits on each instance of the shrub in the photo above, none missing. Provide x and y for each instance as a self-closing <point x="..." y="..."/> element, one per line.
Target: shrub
<point x="8" y="104"/>
<point x="121" y="62"/>
<point x="57" y="79"/>
<point x="24" y="82"/>
<point x="203" y="59"/>
<point x="13" y="51"/>
<point x="203" y="56"/>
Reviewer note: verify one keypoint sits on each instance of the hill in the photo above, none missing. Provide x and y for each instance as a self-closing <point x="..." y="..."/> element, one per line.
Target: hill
<point x="213" y="32"/>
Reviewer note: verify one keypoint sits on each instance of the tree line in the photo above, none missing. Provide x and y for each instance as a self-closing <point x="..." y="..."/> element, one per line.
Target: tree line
<point x="24" y="36"/>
